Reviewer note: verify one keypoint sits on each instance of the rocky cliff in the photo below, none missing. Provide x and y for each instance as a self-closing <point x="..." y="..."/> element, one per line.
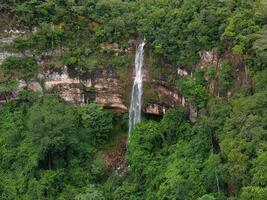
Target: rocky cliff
<point x="104" y="86"/>
<point x="101" y="85"/>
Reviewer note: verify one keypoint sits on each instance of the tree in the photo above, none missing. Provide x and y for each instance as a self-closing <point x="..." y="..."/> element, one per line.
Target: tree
<point x="91" y="193"/>
<point x="18" y="67"/>
<point x="207" y="197"/>
<point x="143" y="144"/>
<point x="53" y="125"/>
<point x="96" y="124"/>
<point x="7" y="87"/>
<point x="255" y="193"/>
<point x="259" y="170"/>
<point x="194" y="92"/>
<point x="174" y="126"/>
<point x="43" y="156"/>
<point x="260" y="45"/>
<point x="225" y="78"/>
<point x="214" y="174"/>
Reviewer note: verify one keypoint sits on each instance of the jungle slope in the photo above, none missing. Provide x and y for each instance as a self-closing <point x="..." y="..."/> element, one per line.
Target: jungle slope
<point x="51" y="149"/>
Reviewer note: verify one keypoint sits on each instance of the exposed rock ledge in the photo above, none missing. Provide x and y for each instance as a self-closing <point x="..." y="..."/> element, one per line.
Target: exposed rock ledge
<point x="101" y="86"/>
<point x="171" y="99"/>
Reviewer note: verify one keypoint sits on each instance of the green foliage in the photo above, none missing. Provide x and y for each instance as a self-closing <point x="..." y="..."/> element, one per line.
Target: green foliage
<point x="45" y="121"/>
<point x="51" y="150"/>
<point x="83" y="26"/>
<point x="241" y="28"/>
<point x="91" y="193"/>
<point x="18" y="67"/>
<point x="142" y="146"/>
<point x="223" y="152"/>
<point x="174" y="126"/>
<point x="47" y="38"/>
<point x="214" y="173"/>
<point x="43" y="153"/>
<point x="182" y="173"/>
<point x="206" y="197"/>
<point x="256" y="193"/>
<point x="162" y="160"/>
<point x="193" y="91"/>
<point x="96" y="124"/>
<point x="260" y="45"/>
<point x="243" y="139"/>
<point x="20" y="44"/>
<point x="225" y="77"/>
<point x="126" y="191"/>
<point x="7" y="87"/>
<point x="259" y="170"/>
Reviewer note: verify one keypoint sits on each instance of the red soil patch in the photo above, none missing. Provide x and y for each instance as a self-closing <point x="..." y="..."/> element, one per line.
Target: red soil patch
<point x="115" y="159"/>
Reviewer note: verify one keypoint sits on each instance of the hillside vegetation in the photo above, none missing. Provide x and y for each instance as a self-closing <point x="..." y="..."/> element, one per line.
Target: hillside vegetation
<point x="50" y="149"/>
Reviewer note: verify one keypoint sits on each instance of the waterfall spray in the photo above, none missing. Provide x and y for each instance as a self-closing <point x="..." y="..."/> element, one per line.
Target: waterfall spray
<point x="137" y="89"/>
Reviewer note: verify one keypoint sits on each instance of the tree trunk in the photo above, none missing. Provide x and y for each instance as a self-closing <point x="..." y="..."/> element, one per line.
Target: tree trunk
<point x="231" y="188"/>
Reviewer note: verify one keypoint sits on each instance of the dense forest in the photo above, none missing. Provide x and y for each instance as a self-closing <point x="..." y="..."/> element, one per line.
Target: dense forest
<point x="53" y="149"/>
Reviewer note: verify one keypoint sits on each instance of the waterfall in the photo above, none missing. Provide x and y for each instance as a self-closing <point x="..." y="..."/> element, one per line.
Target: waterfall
<point x="137" y="89"/>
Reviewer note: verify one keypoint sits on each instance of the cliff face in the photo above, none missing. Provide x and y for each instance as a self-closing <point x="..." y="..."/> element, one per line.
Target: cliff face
<point x="167" y="96"/>
<point x="212" y="60"/>
<point x="101" y="86"/>
<point x="104" y="87"/>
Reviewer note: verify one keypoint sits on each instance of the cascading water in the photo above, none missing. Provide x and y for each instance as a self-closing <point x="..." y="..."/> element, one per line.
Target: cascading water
<point x="137" y="89"/>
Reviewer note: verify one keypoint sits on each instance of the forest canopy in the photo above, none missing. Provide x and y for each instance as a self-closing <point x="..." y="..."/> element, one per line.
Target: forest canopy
<point x="52" y="149"/>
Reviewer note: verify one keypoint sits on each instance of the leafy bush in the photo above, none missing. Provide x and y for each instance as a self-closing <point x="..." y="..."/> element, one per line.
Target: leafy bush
<point x="96" y="124"/>
<point x="225" y="77"/>
<point x="91" y="193"/>
<point x="193" y="91"/>
<point x="19" y="67"/>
